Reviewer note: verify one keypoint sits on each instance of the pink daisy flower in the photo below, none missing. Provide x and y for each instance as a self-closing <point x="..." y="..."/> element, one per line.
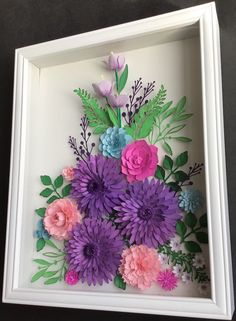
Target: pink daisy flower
<point x="167" y="280"/>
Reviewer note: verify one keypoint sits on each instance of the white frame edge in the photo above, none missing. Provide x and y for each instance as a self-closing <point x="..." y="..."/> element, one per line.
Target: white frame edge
<point x="221" y="306"/>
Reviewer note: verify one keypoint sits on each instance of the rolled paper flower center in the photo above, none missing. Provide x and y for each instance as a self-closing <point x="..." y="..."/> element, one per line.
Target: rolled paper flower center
<point x="60" y="219"/>
<point x="145" y="213"/>
<point x="90" y="250"/>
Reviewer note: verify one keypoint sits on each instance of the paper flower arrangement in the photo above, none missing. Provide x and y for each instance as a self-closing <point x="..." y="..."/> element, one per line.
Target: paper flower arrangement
<point x="120" y="214"/>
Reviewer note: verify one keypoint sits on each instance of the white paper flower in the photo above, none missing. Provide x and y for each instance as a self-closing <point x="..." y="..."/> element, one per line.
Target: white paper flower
<point x="204" y="288"/>
<point x="186" y="277"/>
<point x="175" y="244"/>
<point x="199" y="261"/>
<point x="163" y="258"/>
<point x="177" y="270"/>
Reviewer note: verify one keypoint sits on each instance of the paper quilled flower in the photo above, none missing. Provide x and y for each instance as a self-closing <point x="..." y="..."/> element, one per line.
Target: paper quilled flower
<point x="98" y="185"/>
<point x="103" y="89"/>
<point x="148" y="213"/>
<point x="116" y="61"/>
<point x="190" y="200"/>
<point x="40" y="232"/>
<point x="68" y="173"/>
<point x="94" y="251"/>
<point x="139" y="266"/>
<point x="71" y="277"/>
<point x="167" y="280"/>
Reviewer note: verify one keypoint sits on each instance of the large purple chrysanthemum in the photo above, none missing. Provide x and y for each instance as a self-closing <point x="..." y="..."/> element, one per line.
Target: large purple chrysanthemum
<point x="97" y="185"/>
<point x="94" y="251"/>
<point x="148" y="213"/>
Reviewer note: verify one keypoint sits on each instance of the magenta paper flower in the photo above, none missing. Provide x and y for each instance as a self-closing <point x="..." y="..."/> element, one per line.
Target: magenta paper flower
<point x="139" y="266"/>
<point x="60" y="218"/>
<point x="68" y="173"/>
<point x="116" y="62"/>
<point x="139" y="160"/>
<point x="71" y="277"/>
<point x="103" y="89"/>
<point x="117" y="101"/>
<point x="167" y="280"/>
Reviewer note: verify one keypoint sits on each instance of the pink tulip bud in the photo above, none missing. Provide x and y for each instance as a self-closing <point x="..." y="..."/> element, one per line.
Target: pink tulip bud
<point x="117" y="101"/>
<point x="103" y="89"/>
<point x="116" y="62"/>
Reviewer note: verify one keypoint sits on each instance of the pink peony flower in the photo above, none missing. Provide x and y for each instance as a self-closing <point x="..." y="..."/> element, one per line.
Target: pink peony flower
<point x="68" y="173"/>
<point x="117" y="100"/>
<point x="103" y="89"/>
<point x="167" y="280"/>
<point x="139" y="266"/>
<point x="139" y="160"/>
<point x="60" y="217"/>
<point x="71" y="277"/>
<point x="116" y="62"/>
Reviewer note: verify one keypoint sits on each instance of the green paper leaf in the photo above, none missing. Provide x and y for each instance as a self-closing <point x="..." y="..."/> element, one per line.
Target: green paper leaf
<point x="183" y="117"/>
<point x="46" y="192"/>
<point x="167" y="162"/>
<point x="58" y="181"/>
<point x="123" y="79"/>
<point x="50" y="243"/>
<point x="180" y="105"/>
<point x="119" y="282"/>
<point x="181" y="176"/>
<point x="40" y="244"/>
<point x="40" y="211"/>
<point x="98" y="117"/>
<point x="41" y="262"/>
<point x="175" y="129"/>
<point x="46" y="180"/>
<point x="38" y="275"/>
<point x="203" y="220"/>
<point x="113" y="117"/>
<point x="66" y="190"/>
<point x="183" y="139"/>
<point x="192" y="247"/>
<point x="181" y="228"/>
<point x="167" y="148"/>
<point x="202" y="237"/>
<point x="51" y="254"/>
<point x="168" y="113"/>
<point x="190" y="220"/>
<point x="160" y="173"/>
<point x="174" y="186"/>
<point x="165" y="107"/>
<point x="49" y="274"/>
<point x="182" y="159"/>
<point x="52" y="199"/>
<point x="52" y="280"/>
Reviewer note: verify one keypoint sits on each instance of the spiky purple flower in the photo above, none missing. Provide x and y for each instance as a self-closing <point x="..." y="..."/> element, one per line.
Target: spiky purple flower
<point x="148" y="213"/>
<point x="97" y="185"/>
<point x="94" y="251"/>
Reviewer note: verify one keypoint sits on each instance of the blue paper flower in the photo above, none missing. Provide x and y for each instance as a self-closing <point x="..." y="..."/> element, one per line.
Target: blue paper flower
<point x="190" y="200"/>
<point x="41" y="233"/>
<point x="113" y="141"/>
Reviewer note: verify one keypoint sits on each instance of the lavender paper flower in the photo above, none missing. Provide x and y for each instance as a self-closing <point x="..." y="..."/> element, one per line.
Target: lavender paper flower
<point x="94" y="251"/>
<point x="117" y="101"/>
<point x="97" y="185"/>
<point x="148" y="213"/>
<point x="116" y="61"/>
<point x="113" y="141"/>
<point x="103" y="89"/>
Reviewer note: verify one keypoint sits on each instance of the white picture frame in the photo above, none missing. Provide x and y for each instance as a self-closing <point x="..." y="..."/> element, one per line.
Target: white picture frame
<point x="164" y="28"/>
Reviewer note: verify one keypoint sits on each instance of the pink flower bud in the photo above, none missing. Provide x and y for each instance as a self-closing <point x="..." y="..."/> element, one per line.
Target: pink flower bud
<point x="117" y="101"/>
<point x="103" y="89"/>
<point x="116" y="62"/>
<point x="71" y="277"/>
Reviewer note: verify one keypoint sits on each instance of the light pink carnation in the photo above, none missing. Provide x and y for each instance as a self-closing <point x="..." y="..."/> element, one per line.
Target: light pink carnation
<point x="167" y="280"/>
<point x="139" y="160"/>
<point x="139" y="266"/>
<point x="71" y="277"/>
<point x="68" y="173"/>
<point x="60" y="217"/>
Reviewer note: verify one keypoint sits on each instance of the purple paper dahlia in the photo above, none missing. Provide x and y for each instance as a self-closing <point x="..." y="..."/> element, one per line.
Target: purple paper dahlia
<point x="148" y="213"/>
<point x="97" y="185"/>
<point x="94" y="251"/>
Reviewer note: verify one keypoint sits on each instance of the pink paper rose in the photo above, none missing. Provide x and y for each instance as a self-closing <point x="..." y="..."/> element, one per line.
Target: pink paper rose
<point x="71" y="277"/>
<point x="60" y="217"/>
<point x="139" y="160"/>
<point x="68" y="173"/>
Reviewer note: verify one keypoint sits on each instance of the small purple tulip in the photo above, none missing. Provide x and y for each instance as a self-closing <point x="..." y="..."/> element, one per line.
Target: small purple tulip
<point x="116" y="62"/>
<point x="117" y="101"/>
<point x="103" y="89"/>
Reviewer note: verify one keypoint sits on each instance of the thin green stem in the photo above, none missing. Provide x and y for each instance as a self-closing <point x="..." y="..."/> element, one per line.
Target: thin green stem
<point x="56" y="192"/>
<point x="171" y="173"/>
<point x="119" y="117"/>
